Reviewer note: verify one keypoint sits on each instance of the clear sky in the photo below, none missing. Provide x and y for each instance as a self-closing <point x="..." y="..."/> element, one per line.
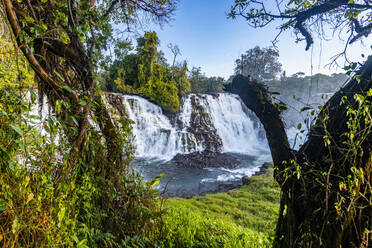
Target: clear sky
<point x="208" y="39"/>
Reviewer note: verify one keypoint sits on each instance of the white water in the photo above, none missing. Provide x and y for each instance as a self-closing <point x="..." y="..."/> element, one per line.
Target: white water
<point x="156" y="137"/>
<point x="233" y="125"/>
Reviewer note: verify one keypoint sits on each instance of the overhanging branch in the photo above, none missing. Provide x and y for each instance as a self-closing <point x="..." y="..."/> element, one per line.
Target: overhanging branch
<point x="13" y="20"/>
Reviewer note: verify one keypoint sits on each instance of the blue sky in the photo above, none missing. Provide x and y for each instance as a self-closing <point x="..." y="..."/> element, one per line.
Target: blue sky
<point x="208" y="39"/>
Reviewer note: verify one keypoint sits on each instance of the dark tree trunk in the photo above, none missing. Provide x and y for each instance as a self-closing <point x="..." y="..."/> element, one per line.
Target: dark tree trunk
<point x="326" y="185"/>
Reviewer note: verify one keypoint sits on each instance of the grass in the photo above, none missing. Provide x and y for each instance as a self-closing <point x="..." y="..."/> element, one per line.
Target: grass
<point x="245" y="217"/>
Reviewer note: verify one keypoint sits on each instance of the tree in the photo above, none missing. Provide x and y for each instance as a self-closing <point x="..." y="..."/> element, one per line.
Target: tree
<point x="261" y="64"/>
<point x="195" y="79"/>
<point x="326" y="184"/>
<point x="203" y="84"/>
<point x="307" y="17"/>
<point x="63" y="41"/>
<point x="147" y="73"/>
<point x="176" y="51"/>
<point x="147" y="51"/>
<point x="180" y="78"/>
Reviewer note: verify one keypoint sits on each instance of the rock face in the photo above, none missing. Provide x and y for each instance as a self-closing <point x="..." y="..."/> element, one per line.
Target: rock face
<point x="116" y="100"/>
<point x="202" y="127"/>
<point x="206" y="159"/>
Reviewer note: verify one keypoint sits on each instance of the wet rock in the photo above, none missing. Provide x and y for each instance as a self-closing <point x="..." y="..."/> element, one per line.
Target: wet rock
<point x="202" y="127"/>
<point x="246" y="180"/>
<point x="263" y="168"/>
<point x="206" y="159"/>
<point x="212" y="188"/>
<point x="226" y="187"/>
<point x="116" y="100"/>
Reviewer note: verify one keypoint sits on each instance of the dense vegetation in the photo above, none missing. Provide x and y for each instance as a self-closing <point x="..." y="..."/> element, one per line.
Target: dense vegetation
<point x="259" y="63"/>
<point x="326" y="184"/>
<point x="44" y="202"/>
<point x="147" y="73"/>
<point x="65" y="179"/>
<point x="200" y="83"/>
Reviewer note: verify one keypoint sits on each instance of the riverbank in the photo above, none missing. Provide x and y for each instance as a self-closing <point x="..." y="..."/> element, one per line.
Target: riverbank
<point x="244" y="217"/>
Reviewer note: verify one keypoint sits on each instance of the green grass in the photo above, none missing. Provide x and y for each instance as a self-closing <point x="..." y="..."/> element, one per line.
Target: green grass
<point x="245" y="217"/>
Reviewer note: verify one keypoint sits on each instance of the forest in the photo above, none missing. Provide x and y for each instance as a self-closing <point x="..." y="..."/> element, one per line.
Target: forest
<point x="108" y="141"/>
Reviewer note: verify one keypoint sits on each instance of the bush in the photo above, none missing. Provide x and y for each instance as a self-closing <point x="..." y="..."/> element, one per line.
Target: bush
<point x="162" y="93"/>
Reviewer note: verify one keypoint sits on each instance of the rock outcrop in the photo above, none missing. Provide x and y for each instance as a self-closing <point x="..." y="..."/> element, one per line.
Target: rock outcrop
<point x="206" y="159"/>
<point x="202" y="127"/>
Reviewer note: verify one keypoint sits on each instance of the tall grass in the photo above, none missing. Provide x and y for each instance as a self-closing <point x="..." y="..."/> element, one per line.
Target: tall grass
<point x="245" y="217"/>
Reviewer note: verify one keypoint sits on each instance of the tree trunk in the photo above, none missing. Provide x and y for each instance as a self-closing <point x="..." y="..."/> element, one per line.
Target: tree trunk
<point x="326" y="185"/>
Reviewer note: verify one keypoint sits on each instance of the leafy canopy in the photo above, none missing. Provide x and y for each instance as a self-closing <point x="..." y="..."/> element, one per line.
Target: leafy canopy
<point x="260" y="63"/>
<point x="147" y="73"/>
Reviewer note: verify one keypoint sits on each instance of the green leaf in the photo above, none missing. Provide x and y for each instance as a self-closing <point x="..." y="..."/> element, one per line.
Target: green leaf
<point x="82" y="244"/>
<point x="75" y="121"/>
<point x="155" y="181"/>
<point x="17" y="129"/>
<point x="305" y="108"/>
<point x="74" y="238"/>
<point x="59" y="75"/>
<point x="61" y="214"/>
<point x="299" y="126"/>
<point x="3" y="205"/>
<point x="68" y="89"/>
<point x="30" y="19"/>
<point x="33" y="96"/>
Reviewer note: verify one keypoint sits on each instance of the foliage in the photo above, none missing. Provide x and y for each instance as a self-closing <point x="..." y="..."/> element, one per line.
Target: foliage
<point x="44" y="203"/>
<point x="239" y="218"/>
<point x="147" y="73"/>
<point x="65" y="180"/>
<point x="325" y="186"/>
<point x="14" y="71"/>
<point x="179" y="75"/>
<point x="259" y="63"/>
<point x="162" y="93"/>
<point x="308" y="17"/>
<point x="203" y="84"/>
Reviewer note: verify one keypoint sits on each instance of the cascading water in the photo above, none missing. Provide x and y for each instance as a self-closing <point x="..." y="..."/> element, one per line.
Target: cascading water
<point x="204" y="121"/>
<point x="156" y="137"/>
<point x="236" y="128"/>
<point x="218" y="122"/>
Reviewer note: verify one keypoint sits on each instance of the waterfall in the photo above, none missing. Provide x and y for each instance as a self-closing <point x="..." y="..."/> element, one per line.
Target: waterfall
<point x="156" y="136"/>
<point x="235" y="124"/>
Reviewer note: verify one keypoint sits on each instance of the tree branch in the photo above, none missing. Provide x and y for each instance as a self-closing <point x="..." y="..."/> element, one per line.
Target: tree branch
<point x="13" y="20"/>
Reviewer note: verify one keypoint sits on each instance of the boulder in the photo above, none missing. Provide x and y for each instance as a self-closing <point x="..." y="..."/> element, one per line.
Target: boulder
<point x="206" y="159"/>
<point x="246" y="180"/>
